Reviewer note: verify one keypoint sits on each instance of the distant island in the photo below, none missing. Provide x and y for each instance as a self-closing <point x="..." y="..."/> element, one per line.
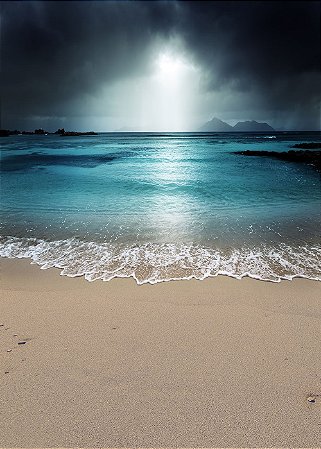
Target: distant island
<point x="40" y="131"/>
<point x="217" y="125"/>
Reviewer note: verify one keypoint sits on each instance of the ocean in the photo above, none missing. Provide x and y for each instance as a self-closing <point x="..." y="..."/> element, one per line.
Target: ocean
<point x="161" y="206"/>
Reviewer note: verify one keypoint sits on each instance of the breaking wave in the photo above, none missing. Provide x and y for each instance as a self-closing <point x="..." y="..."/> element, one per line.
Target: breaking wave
<point x="153" y="262"/>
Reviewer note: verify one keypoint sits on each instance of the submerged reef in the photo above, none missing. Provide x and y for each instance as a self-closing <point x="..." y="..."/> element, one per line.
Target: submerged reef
<point x="308" y="146"/>
<point x="312" y="158"/>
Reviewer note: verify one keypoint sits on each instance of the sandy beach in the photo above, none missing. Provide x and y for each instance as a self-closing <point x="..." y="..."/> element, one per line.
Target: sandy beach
<point x="214" y="363"/>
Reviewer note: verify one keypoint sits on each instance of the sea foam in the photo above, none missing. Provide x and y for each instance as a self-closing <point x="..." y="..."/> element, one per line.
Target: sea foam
<point x="156" y="262"/>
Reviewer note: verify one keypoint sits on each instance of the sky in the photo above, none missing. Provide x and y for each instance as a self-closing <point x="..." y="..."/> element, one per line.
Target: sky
<point x="159" y="65"/>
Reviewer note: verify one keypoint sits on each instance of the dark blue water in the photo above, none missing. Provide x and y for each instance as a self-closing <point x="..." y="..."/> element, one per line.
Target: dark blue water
<point x="161" y="206"/>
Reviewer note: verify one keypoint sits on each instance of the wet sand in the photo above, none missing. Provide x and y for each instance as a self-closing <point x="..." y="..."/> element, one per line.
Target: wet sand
<point x="214" y="363"/>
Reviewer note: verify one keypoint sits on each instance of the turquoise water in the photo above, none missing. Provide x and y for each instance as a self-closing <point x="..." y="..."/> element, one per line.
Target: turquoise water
<point x="160" y="206"/>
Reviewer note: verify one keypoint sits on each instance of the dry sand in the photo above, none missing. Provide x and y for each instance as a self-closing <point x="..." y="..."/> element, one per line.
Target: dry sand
<point x="217" y="363"/>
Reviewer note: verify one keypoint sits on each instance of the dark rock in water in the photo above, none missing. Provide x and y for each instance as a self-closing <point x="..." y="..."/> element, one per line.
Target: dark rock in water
<point x="309" y="157"/>
<point x="74" y="133"/>
<point x="40" y="131"/>
<point x="308" y="146"/>
<point x="60" y="131"/>
<point x="64" y="133"/>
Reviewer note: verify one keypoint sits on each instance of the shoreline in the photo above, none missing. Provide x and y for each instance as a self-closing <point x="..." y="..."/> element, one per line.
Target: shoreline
<point x="154" y="263"/>
<point x="213" y="363"/>
<point x="132" y="276"/>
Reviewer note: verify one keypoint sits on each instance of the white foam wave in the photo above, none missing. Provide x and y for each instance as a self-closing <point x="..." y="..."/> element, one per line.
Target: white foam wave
<point x="152" y="263"/>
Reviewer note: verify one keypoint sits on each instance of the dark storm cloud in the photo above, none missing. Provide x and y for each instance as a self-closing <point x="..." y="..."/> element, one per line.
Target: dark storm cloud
<point x="260" y="39"/>
<point x="269" y="48"/>
<point x="53" y="51"/>
<point x="56" y="52"/>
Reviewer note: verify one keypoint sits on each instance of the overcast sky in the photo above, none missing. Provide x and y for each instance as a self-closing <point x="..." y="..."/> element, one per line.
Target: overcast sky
<point x="159" y="65"/>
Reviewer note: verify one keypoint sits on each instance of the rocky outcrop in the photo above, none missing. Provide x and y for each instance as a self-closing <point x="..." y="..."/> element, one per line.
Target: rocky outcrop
<point x="308" y="146"/>
<point x="302" y="156"/>
<point x="41" y="132"/>
<point x="75" y="133"/>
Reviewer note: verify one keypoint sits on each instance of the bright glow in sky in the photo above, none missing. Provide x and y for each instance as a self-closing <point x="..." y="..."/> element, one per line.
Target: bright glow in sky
<point x="170" y="67"/>
<point x="164" y="99"/>
<point x="168" y="94"/>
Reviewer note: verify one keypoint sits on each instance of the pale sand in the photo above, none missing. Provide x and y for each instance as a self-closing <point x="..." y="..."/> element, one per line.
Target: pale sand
<point x="216" y="363"/>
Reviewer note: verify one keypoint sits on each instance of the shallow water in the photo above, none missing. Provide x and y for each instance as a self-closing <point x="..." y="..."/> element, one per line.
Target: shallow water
<point x="161" y="206"/>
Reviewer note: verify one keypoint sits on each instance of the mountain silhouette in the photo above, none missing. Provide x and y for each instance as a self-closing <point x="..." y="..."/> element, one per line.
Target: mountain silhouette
<point x="217" y="125"/>
<point x="252" y="126"/>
